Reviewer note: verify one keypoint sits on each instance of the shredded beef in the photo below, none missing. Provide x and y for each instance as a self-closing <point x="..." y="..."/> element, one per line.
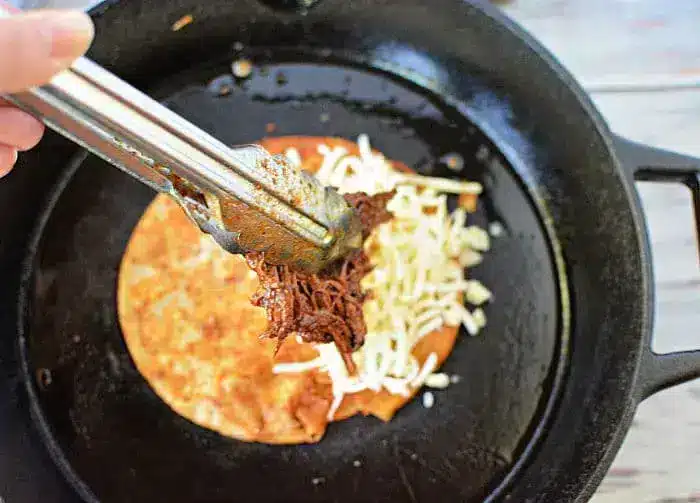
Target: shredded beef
<point x="324" y="307"/>
<point x="371" y="209"/>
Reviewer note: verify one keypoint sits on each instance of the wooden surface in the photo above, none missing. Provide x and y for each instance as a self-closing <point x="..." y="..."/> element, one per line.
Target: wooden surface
<point x="640" y="59"/>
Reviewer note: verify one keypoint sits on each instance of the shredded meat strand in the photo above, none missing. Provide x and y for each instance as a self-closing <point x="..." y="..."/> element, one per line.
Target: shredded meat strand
<point x="371" y="209"/>
<point x="324" y="307"/>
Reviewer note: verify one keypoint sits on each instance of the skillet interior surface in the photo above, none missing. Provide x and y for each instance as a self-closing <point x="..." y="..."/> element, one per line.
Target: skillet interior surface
<point x="487" y="69"/>
<point x="118" y="441"/>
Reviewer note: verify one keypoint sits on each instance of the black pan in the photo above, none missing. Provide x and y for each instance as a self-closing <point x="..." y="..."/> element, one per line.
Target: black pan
<point x="547" y="391"/>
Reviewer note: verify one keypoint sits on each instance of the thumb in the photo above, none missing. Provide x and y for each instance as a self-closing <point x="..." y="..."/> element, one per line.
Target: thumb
<point x="36" y="45"/>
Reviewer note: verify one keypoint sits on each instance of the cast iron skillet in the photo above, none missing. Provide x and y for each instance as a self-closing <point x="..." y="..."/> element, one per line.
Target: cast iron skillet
<point x="547" y="392"/>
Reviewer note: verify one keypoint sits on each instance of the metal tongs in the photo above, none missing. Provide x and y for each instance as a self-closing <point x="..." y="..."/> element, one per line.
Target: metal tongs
<point x="245" y="198"/>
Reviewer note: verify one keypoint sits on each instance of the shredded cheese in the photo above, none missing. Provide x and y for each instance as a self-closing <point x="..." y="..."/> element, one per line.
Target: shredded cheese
<point x="437" y="381"/>
<point x="477" y="293"/>
<point x="418" y="281"/>
<point x="293" y="157"/>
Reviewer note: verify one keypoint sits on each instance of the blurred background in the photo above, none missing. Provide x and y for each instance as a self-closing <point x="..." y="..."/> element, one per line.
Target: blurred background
<point x="640" y="61"/>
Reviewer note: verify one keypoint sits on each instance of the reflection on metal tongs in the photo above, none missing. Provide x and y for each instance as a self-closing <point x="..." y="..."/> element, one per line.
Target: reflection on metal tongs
<point x="245" y="198"/>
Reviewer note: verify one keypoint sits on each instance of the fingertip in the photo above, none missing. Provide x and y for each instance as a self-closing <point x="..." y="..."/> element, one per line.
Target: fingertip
<point x="72" y="32"/>
<point x="33" y="135"/>
<point x="8" y="158"/>
<point x="38" y="44"/>
<point x="18" y="129"/>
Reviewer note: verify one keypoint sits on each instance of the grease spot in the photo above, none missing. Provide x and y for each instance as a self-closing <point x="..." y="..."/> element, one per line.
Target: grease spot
<point x="43" y="379"/>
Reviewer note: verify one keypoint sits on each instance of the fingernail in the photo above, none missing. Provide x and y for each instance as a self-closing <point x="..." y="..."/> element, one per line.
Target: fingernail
<point x="71" y="34"/>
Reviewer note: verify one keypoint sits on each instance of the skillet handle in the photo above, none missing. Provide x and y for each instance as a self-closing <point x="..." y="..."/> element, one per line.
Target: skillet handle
<point x="661" y="371"/>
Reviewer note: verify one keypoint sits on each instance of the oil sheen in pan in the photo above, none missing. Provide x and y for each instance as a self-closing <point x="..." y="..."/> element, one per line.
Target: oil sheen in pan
<point x="97" y="412"/>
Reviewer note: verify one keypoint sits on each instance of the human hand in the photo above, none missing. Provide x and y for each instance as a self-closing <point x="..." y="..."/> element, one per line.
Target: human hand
<point x="33" y="47"/>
